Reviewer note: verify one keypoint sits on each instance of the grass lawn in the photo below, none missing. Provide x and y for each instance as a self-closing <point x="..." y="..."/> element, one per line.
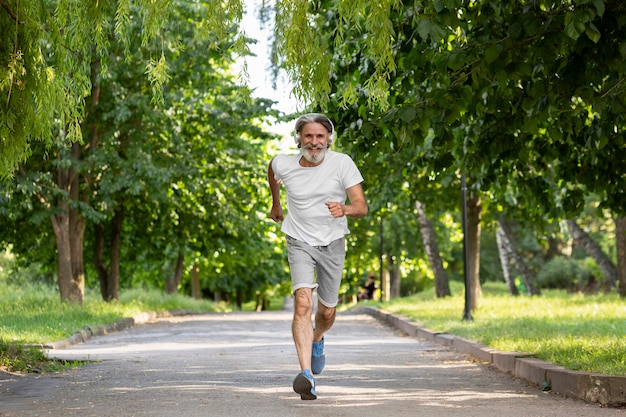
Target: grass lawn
<point x="34" y="314"/>
<point x="572" y="330"/>
<point x="576" y="331"/>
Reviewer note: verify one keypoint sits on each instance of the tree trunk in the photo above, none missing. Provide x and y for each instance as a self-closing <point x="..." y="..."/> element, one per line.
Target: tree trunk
<point x="262" y="303"/>
<point x="116" y="248"/>
<point x="397" y="279"/>
<point x="196" y="288"/>
<point x="394" y="276"/>
<point x="68" y="224"/>
<point x="98" y="259"/>
<point x="69" y="229"/>
<point x="505" y="261"/>
<point x="109" y="278"/>
<point x="239" y="299"/>
<point x="591" y="247"/>
<point x="171" y="284"/>
<point x="620" y="237"/>
<point x="381" y="255"/>
<point x="60" y="226"/>
<point x="474" y="215"/>
<point x="77" y="234"/>
<point x="518" y="259"/>
<point x="442" y="285"/>
<point x="77" y="228"/>
<point x="385" y="286"/>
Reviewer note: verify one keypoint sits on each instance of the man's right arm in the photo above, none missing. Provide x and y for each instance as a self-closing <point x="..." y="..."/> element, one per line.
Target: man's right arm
<point x="276" y="212"/>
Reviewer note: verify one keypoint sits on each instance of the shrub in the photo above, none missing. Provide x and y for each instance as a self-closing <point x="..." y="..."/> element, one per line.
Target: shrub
<point x="592" y="279"/>
<point x="559" y="273"/>
<point x="413" y="283"/>
<point x="570" y="274"/>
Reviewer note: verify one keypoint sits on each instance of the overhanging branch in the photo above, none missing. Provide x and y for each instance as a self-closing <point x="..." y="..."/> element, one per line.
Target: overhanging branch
<point x="8" y="9"/>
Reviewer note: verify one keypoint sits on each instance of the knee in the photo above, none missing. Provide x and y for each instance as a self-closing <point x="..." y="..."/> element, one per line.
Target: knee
<point x="327" y="313"/>
<point x="303" y="302"/>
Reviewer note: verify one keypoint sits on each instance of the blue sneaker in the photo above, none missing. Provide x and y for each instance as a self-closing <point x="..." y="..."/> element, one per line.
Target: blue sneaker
<point x="318" y="358"/>
<point x="304" y="384"/>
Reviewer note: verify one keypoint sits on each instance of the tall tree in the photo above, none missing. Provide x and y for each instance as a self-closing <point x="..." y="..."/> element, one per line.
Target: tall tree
<point x="508" y="236"/>
<point x="442" y="286"/>
<point x="506" y="260"/>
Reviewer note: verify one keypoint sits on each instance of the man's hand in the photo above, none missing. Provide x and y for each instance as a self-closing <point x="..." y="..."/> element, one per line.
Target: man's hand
<point x="276" y="213"/>
<point x="335" y="208"/>
<point x="357" y="207"/>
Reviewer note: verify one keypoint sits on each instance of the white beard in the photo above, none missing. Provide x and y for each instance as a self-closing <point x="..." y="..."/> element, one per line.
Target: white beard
<point x="313" y="158"/>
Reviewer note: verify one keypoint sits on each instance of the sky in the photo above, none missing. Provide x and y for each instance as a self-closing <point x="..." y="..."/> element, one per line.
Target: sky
<point x="258" y="66"/>
<point x="260" y="77"/>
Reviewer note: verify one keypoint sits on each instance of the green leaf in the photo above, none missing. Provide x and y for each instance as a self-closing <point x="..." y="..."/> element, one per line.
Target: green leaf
<point x="423" y="28"/>
<point x="451" y="4"/>
<point x="491" y="54"/>
<point x="456" y="60"/>
<point x="407" y="114"/>
<point x="427" y="27"/>
<point x="599" y="7"/>
<point x="593" y="33"/>
<point x="438" y="5"/>
<point x="515" y="30"/>
<point x="575" y="24"/>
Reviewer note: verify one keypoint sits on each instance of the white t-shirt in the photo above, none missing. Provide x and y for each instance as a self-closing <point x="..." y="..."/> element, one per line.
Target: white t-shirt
<point x="308" y="189"/>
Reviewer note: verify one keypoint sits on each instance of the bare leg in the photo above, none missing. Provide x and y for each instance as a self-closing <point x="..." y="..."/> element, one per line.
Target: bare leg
<point x="301" y="327"/>
<point x="324" y="319"/>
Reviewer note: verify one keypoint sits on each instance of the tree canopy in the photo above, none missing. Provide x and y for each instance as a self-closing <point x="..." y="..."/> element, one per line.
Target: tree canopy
<point x="48" y="48"/>
<point x="138" y="128"/>
<point x="525" y="97"/>
<point x="155" y="187"/>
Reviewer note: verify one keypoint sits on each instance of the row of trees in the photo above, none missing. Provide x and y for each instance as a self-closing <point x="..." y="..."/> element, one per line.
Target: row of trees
<point x="152" y="156"/>
<point x="526" y="99"/>
<point x="154" y="182"/>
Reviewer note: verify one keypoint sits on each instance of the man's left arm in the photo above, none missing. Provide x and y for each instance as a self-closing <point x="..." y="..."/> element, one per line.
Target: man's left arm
<point x="357" y="208"/>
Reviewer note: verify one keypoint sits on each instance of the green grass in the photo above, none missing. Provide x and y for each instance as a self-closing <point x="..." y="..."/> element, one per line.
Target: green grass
<point x="576" y="331"/>
<point x="33" y="314"/>
<point x="17" y="357"/>
<point x="572" y="330"/>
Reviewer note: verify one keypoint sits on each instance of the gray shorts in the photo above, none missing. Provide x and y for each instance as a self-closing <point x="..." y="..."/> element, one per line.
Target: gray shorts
<point x="318" y="267"/>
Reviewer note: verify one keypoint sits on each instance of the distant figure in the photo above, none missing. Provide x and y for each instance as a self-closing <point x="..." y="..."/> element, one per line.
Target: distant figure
<point x="368" y="289"/>
<point x="318" y="182"/>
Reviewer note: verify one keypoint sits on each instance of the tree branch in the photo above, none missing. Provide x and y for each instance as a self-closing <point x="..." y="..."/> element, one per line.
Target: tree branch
<point x="8" y="9"/>
<point x="617" y="84"/>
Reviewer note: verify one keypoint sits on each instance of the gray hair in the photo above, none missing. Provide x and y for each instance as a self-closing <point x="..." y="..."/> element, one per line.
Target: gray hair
<point x="314" y="118"/>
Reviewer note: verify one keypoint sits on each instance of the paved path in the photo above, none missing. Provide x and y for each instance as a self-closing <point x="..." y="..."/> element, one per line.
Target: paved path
<point x="242" y="364"/>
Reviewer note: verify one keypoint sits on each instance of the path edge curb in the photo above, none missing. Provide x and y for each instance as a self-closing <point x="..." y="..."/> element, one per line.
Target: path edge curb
<point x="88" y="332"/>
<point x="608" y="391"/>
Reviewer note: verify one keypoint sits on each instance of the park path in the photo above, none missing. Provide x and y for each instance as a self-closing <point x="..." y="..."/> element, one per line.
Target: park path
<point x="242" y="364"/>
